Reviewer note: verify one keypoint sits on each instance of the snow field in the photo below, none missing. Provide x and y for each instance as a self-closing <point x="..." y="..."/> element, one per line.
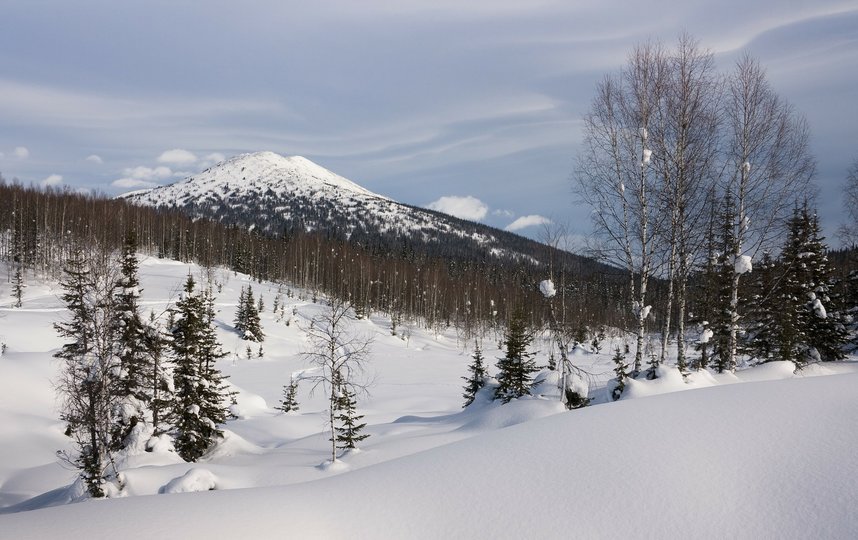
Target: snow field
<point x="731" y="460"/>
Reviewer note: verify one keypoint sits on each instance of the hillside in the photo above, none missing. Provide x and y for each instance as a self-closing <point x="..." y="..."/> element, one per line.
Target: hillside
<point x="278" y="195"/>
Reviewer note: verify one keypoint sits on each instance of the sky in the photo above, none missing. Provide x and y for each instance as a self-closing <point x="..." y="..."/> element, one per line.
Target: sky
<point x="468" y="107"/>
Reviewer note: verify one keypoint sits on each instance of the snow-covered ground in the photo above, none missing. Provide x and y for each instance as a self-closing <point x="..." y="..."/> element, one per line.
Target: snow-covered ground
<point x="772" y="458"/>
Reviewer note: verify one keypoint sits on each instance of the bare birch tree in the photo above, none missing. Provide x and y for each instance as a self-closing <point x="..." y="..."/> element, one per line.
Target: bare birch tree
<point x="616" y="178"/>
<point x="768" y="168"/>
<point x="340" y="356"/>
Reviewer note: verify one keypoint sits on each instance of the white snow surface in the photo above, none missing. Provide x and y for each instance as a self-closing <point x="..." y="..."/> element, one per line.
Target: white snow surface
<point x="721" y="460"/>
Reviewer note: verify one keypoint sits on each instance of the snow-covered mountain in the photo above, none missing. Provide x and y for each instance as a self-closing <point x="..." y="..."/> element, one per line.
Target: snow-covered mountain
<point x="275" y="194"/>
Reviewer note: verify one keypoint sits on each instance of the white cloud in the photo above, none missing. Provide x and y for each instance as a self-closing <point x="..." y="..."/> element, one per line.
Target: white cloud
<point x="503" y="213"/>
<point x="94" y="159"/>
<point x="21" y="152"/>
<point x="177" y="156"/>
<point x="52" y="180"/>
<point x="132" y="183"/>
<point x="467" y="207"/>
<point x="211" y="159"/>
<point x="527" y="221"/>
<point x="147" y="173"/>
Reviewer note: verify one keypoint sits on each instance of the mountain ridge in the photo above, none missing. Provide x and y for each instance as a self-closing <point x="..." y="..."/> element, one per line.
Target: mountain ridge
<point x="276" y="195"/>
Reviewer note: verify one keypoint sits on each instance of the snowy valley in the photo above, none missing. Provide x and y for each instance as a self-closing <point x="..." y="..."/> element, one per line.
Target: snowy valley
<point x="771" y="457"/>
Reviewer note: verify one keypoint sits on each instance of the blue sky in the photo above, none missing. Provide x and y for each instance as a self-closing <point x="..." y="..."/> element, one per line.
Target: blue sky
<point x="478" y="102"/>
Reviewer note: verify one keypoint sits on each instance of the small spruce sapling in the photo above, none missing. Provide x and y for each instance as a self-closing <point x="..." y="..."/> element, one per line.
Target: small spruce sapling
<point x="621" y="369"/>
<point x="289" y="403"/>
<point x="476" y="378"/>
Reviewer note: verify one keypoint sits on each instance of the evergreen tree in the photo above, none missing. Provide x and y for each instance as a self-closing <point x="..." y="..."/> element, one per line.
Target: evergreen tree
<point x="826" y="328"/>
<point x="349" y="429"/>
<point x="289" y="402"/>
<point x="159" y="380"/>
<point x="131" y="345"/>
<point x="515" y="369"/>
<point x="241" y="312"/>
<point x="18" y="286"/>
<point x="89" y="383"/>
<point x="722" y="312"/>
<point x="621" y="368"/>
<point x="251" y="327"/>
<point x="476" y="378"/>
<point x="763" y="314"/>
<point x="792" y="319"/>
<point x="199" y="393"/>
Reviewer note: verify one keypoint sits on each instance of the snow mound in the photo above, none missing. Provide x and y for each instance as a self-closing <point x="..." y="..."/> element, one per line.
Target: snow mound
<point x="195" y="479"/>
<point x="515" y="412"/>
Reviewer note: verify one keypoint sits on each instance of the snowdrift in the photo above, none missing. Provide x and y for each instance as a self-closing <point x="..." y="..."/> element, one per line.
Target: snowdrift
<point x="771" y="459"/>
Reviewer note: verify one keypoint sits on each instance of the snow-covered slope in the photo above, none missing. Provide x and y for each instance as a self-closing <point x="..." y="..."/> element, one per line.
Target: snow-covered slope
<point x="771" y="457"/>
<point x="272" y="193"/>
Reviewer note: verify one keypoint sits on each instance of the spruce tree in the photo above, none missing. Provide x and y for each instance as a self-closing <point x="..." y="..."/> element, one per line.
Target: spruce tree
<point x="131" y="345"/>
<point x="621" y="369"/>
<point x="289" y="403"/>
<point x="826" y="329"/>
<point x="199" y="393"/>
<point x="761" y="336"/>
<point x="515" y="369"/>
<point x="241" y="312"/>
<point x="792" y="315"/>
<point x="18" y="286"/>
<point x="349" y="429"/>
<point x="476" y="378"/>
<point x="251" y="328"/>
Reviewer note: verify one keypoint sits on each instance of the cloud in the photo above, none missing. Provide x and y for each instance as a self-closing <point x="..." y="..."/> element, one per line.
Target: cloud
<point x="132" y="183"/>
<point x="21" y="152"/>
<point x="52" y="180"/>
<point x="503" y="213"/>
<point x="211" y="159"/>
<point x="148" y="173"/>
<point x="94" y="159"/>
<point x="468" y="207"/>
<point x="526" y="221"/>
<point x="177" y="156"/>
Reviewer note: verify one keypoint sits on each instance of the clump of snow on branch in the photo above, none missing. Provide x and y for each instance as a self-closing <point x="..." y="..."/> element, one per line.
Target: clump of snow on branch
<point x="546" y="287"/>
<point x="647" y="156"/>
<point x="742" y="264"/>
<point x="746" y="167"/>
<point x="817" y="307"/>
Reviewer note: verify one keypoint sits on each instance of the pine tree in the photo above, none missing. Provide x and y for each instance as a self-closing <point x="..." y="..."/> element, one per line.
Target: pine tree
<point x="349" y="428"/>
<point x="199" y="393"/>
<point x="476" y="378"/>
<point x="289" y="402"/>
<point x="515" y="369"/>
